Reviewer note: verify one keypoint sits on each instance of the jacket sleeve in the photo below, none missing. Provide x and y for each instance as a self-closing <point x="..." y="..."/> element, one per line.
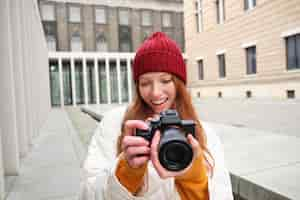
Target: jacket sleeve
<point x="101" y="157"/>
<point x="219" y="185"/>
<point x="95" y="168"/>
<point x="193" y="185"/>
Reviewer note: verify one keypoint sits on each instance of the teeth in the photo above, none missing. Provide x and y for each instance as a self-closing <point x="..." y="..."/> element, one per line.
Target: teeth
<point x="159" y="101"/>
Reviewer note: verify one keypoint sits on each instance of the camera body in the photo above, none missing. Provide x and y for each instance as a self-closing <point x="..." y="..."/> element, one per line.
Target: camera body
<point x="175" y="153"/>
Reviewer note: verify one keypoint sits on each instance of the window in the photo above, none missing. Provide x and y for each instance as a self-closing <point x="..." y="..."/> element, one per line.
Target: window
<point x="249" y="4"/>
<point x="290" y="94"/>
<point x="48" y="12"/>
<point x="198" y="13"/>
<point x="248" y="94"/>
<point x="293" y="52"/>
<point x="101" y="41"/>
<point x="222" y="65"/>
<point x="200" y="70"/>
<point x="251" y="60"/>
<point x="125" y="41"/>
<point x="146" y="24"/>
<point x="220" y="7"/>
<point x="167" y="20"/>
<point x="124" y="17"/>
<point x="146" y="18"/>
<point x="220" y="95"/>
<point x="54" y="83"/>
<point x="74" y="14"/>
<point x="50" y="33"/>
<point x="100" y="16"/>
<point x="146" y="32"/>
<point x="75" y="39"/>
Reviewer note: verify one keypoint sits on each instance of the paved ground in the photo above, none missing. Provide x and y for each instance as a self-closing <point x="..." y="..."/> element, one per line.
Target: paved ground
<point x="280" y="117"/>
<point x="51" y="170"/>
<point x="83" y="124"/>
<point x="261" y="150"/>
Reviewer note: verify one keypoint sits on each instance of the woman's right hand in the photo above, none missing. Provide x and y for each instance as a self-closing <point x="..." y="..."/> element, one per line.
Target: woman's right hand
<point x="136" y="150"/>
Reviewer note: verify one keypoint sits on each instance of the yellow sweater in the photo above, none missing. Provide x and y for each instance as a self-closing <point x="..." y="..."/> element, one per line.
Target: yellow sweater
<point x="193" y="185"/>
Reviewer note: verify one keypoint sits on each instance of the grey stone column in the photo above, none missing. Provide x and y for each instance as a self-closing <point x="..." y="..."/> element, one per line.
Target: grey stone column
<point x="31" y="73"/>
<point x="19" y="77"/>
<point x="24" y="61"/>
<point x="88" y="28"/>
<point x="136" y="29"/>
<point x="156" y="21"/>
<point x="2" y="183"/>
<point x="8" y="121"/>
<point x="178" y="31"/>
<point x="113" y="29"/>
<point x="62" y="27"/>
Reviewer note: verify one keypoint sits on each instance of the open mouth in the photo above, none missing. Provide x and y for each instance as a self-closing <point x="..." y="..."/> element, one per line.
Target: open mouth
<point x="159" y="102"/>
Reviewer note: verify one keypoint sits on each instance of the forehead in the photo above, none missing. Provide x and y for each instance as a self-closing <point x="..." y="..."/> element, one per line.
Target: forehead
<point x="154" y="75"/>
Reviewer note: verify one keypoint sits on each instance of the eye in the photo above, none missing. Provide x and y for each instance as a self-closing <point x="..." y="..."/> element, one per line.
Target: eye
<point x="144" y="83"/>
<point x="165" y="81"/>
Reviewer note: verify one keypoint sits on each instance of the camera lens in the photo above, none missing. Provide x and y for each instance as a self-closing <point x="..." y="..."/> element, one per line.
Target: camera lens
<point x="175" y="153"/>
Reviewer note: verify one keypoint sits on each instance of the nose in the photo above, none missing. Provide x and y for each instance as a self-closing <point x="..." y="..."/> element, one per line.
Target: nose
<point x="156" y="91"/>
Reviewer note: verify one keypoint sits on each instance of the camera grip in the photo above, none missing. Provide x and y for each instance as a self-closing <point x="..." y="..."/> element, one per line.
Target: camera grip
<point x="144" y="134"/>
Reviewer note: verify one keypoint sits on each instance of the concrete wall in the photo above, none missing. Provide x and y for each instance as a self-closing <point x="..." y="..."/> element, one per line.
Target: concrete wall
<point x="62" y="26"/>
<point x="24" y="81"/>
<point x="262" y="26"/>
<point x="1" y="172"/>
<point x="88" y="28"/>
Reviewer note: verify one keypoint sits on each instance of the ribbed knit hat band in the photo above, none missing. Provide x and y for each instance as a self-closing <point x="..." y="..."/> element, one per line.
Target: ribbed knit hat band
<point x="159" y="54"/>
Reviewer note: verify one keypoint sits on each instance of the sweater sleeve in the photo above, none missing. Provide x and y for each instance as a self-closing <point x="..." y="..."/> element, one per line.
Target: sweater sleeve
<point x="131" y="178"/>
<point x="193" y="185"/>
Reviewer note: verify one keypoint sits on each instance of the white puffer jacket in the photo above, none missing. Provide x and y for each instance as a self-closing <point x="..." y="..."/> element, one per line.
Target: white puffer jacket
<point x="98" y="174"/>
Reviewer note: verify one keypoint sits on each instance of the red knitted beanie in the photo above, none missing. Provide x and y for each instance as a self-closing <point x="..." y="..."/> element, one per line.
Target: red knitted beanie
<point x="159" y="54"/>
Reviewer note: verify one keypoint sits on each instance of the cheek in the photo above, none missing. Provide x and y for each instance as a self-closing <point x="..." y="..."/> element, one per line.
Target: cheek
<point x="172" y="91"/>
<point x="143" y="93"/>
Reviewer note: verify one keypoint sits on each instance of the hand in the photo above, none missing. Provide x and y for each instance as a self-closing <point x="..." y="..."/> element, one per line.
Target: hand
<point x="164" y="173"/>
<point x="136" y="150"/>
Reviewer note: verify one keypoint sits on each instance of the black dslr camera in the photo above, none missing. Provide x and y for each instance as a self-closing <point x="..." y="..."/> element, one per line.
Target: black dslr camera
<point x="175" y="153"/>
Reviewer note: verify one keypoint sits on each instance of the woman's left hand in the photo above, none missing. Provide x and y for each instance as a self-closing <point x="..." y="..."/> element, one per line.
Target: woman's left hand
<point x="164" y="173"/>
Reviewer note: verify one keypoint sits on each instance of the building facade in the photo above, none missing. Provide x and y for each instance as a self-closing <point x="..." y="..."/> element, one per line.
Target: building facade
<point x="24" y="85"/>
<point x="243" y="49"/>
<point x="109" y="26"/>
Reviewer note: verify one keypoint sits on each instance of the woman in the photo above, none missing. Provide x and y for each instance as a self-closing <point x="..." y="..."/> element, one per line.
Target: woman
<point x="135" y="172"/>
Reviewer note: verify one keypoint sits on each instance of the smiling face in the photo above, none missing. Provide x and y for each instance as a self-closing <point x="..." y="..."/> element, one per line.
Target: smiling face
<point x="158" y="90"/>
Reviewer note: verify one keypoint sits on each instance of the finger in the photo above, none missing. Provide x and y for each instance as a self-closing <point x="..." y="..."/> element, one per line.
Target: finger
<point x="137" y="151"/>
<point x="133" y="141"/>
<point x="154" y="143"/>
<point x="149" y="119"/>
<point x="131" y="125"/>
<point x="154" y="155"/>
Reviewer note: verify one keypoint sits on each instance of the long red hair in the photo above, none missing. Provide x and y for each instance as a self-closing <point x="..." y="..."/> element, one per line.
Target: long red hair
<point x="138" y="109"/>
